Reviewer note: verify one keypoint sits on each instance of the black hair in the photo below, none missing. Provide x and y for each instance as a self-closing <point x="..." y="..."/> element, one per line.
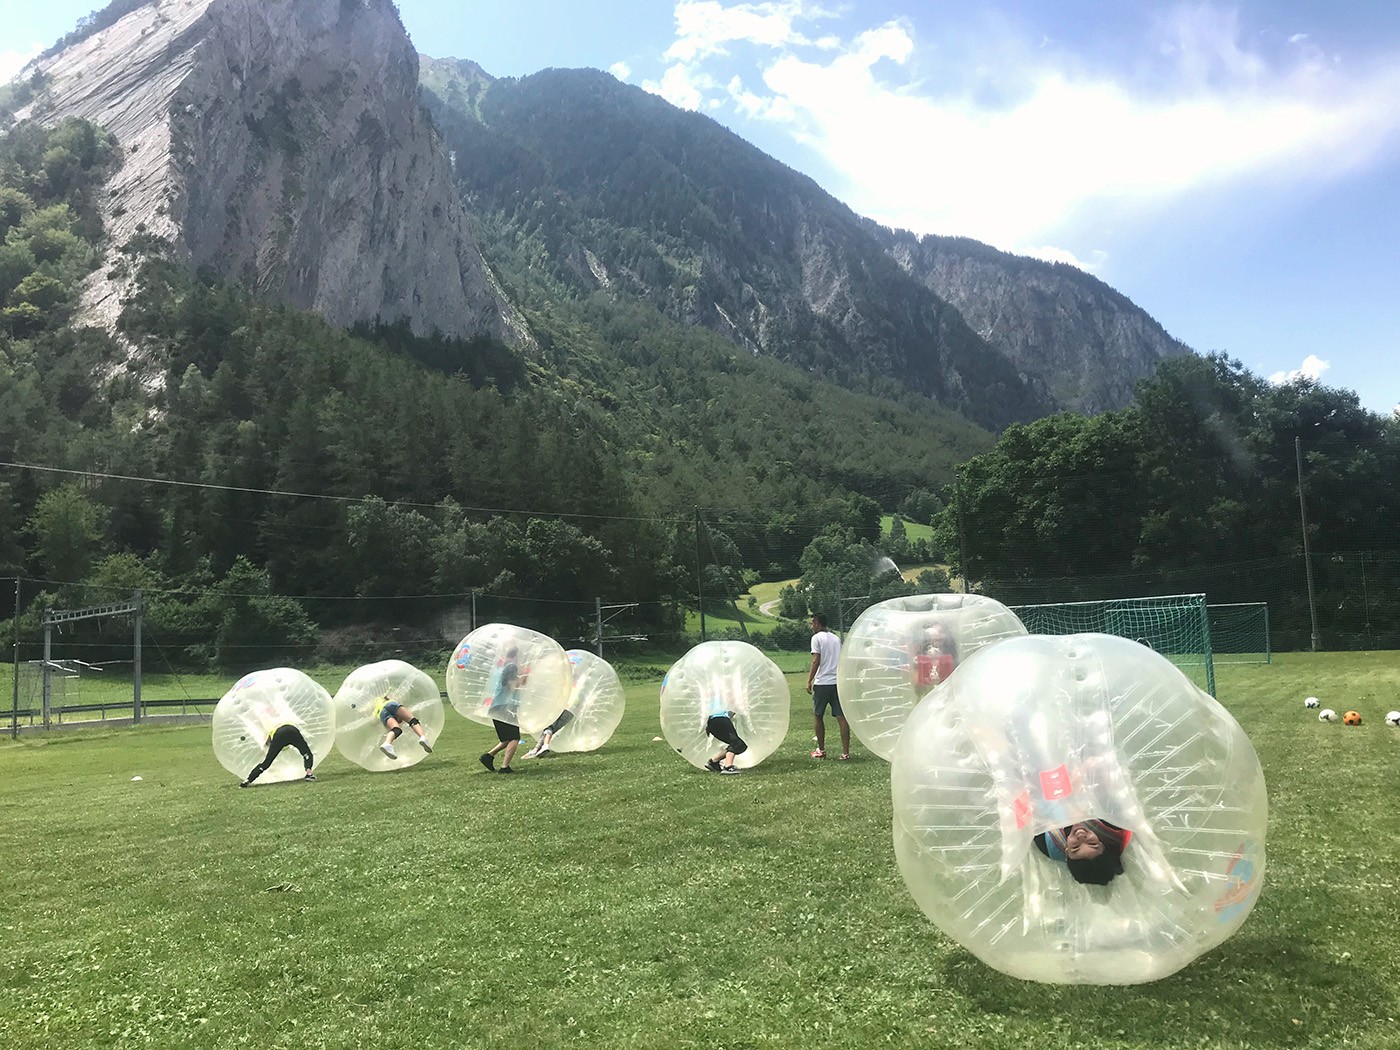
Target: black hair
<point x="1097" y="871"/>
<point x="819" y="620"/>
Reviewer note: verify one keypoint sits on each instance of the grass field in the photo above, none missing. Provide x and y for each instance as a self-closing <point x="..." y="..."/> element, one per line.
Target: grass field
<point x="622" y="899"/>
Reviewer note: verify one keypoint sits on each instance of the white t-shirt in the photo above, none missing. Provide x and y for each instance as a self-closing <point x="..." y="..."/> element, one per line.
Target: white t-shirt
<point x="828" y="647"/>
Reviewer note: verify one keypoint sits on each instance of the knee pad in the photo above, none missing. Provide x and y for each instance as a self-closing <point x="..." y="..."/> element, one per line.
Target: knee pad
<point x="413" y="721"/>
<point x="397" y="731"/>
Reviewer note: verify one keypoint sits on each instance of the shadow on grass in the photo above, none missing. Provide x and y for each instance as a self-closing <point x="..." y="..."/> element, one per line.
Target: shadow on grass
<point x="1253" y="990"/>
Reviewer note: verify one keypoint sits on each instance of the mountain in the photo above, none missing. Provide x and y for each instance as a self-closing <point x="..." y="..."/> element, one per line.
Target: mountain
<point x="609" y="187"/>
<point x="280" y="143"/>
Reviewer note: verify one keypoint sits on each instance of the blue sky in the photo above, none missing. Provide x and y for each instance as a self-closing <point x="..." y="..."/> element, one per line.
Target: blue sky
<point x="1233" y="169"/>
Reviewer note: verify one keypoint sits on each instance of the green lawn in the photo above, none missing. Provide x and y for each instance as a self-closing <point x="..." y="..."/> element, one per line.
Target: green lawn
<point x="622" y="899"/>
<point x="913" y="530"/>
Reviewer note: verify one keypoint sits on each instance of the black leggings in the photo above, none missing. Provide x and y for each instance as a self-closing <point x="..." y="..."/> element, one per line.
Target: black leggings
<point x="285" y="736"/>
<point x="559" y="723"/>
<point x="722" y="729"/>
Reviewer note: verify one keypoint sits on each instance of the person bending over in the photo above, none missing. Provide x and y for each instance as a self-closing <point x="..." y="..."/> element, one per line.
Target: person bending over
<point x="720" y="725"/>
<point x="1091" y="849"/>
<point x="283" y="736"/>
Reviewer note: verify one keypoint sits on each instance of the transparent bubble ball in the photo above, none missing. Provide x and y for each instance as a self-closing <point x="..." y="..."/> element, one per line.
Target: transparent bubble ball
<point x="256" y="706"/>
<point x="475" y="670"/>
<point x="596" y="700"/>
<point x="1038" y="733"/>
<point x="897" y="650"/>
<point x="745" y="681"/>
<point x="359" y="701"/>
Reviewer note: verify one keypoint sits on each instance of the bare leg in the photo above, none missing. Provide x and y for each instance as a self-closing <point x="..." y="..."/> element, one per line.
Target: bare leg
<point x="845" y="734"/>
<point x="821" y="732"/>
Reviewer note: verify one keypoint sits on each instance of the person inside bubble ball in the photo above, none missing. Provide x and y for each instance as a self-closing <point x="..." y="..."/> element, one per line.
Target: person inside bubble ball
<point x="938" y="656"/>
<point x="547" y="734"/>
<point x="1091" y="849"/>
<point x="394" y="716"/>
<point x="505" y="711"/>
<point x="720" y="725"/>
<point x="821" y="684"/>
<point x="282" y="735"/>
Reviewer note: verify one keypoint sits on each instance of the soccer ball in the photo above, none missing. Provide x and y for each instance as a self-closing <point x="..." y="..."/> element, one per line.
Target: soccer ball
<point x="1327" y="715"/>
<point x="1352" y="718"/>
<point x="1312" y="701"/>
<point x="1393" y="719"/>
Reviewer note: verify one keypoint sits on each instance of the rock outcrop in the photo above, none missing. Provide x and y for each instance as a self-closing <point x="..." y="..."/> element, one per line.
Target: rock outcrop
<point x="281" y="142"/>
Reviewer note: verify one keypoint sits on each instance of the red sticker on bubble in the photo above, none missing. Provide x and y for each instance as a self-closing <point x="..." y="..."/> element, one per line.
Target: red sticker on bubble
<point x="1021" y="806"/>
<point x="1054" y="783"/>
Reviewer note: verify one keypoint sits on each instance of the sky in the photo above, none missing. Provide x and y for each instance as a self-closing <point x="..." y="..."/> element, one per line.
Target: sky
<point x="1234" y="169"/>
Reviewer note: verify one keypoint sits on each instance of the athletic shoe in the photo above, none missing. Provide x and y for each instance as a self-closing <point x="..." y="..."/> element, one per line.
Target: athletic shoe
<point x="728" y="770"/>
<point x="534" y="752"/>
<point x="505" y="769"/>
<point x="388" y="749"/>
<point x="245" y="784"/>
<point x="489" y="761"/>
<point x="713" y="765"/>
<point x="844" y="758"/>
<point x="818" y="753"/>
<point x="423" y="743"/>
<point x="309" y="776"/>
<point x="542" y="748"/>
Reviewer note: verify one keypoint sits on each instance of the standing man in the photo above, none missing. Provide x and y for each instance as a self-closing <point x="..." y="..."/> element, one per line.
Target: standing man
<point x="821" y="683"/>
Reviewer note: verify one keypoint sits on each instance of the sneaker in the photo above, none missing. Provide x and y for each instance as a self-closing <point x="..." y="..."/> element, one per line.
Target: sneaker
<point x="423" y="743"/>
<point x="309" y="776"/>
<point x="728" y="770"/>
<point x="245" y="783"/>
<point x="542" y="748"/>
<point x="388" y="749"/>
<point x="489" y="761"/>
<point x="844" y="758"/>
<point x="713" y="765"/>
<point x="505" y="769"/>
<point x="818" y="753"/>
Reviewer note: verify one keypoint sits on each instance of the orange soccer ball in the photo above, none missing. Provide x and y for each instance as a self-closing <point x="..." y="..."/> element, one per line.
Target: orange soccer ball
<point x="1352" y="718"/>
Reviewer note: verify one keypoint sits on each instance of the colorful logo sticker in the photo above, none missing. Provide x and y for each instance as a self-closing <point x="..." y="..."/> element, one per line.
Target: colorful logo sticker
<point x="574" y="658"/>
<point x="246" y="681"/>
<point x="666" y="678"/>
<point x="1021" y="807"/>
<point x="1054" y="783"/>
<point x="1241" y="884"/>
<point x="464" y="656"/>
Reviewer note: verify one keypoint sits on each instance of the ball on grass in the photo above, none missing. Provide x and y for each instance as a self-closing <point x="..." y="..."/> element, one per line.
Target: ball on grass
<point x="1327" y="715"/>
<point x="897" y="650"/>
<point x="1312" y="701"/>
<point x="742" y="679"/>
<point x="1038" y="733"/>
<point x="480" y="668"/>
<point x="259" y="704"/>
<point x="1392" y="718"/>
<point x="360" y="702"/>
<point x="1352" y="718"/>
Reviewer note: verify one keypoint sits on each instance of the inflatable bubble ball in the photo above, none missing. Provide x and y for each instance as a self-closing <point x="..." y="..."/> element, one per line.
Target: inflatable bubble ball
<point x="897" y="650"/>
<point x="509" y="674"/>
<point x="256" y="707"/>
<point x="733" y="676"/>
<point x="595" y="706"/>
<point x="363" y="700"/>
<point x="1037" y="742"/>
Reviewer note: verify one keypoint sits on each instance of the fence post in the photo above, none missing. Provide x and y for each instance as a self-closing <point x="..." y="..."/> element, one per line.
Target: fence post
<point x="598" y="619"/>
<point x="1307" y="545"/>
<point x="48" y="669"/>
<point x="14" y="711"/>
<point x="136" y="660"/>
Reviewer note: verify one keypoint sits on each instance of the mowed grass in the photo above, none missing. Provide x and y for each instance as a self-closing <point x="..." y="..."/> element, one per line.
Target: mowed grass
<point x="623" y="899"/>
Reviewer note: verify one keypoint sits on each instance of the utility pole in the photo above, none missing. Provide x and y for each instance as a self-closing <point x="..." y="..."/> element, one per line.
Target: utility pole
<point x="14" y="711"/>
<point x="962" y="540"/>
<point x="699" y="575"/>
<point x="1307" y="545"/>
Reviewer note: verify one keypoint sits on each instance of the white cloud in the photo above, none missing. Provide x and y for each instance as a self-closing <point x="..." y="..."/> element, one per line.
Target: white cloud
<point x="11" y="62"/>
<point x="621" y="70"/>
<point x="1012" y="143"/>
<point x="1312" y="368"/>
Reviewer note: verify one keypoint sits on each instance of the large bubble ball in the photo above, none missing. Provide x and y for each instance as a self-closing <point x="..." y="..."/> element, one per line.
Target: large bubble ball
<point x="897" y="650"/>
<point x="733" y="675"/>
<point x="1040" y="733"/>
<point x="259" y="704"/>
<point x="479" y="673"/>
<point x="360" y="702"/>
<point x="595" y="706"/>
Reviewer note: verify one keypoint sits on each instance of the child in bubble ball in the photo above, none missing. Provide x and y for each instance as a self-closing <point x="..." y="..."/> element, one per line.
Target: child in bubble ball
<point x="505" y="711"/>
<point x="1091" y="849"/>
<point x="394" y="716"/>
<point x="720" y="725"/>
<point x="282" y="737"/>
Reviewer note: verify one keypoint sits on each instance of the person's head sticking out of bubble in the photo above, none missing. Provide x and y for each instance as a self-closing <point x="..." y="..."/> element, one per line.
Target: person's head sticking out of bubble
<point x="1091" y="849"/>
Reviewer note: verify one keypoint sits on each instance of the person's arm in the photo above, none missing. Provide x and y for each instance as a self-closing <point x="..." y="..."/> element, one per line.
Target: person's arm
<point x="812" y="671"/>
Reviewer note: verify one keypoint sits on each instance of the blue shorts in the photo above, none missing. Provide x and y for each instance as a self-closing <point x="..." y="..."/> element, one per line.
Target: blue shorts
<point x="390" y="710"/>
<point x="822" y="696"/>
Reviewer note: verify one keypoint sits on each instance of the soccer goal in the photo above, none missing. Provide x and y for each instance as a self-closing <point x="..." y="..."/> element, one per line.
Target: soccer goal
<point x="1176" y="625"/>
<point x="1239" y="633"/>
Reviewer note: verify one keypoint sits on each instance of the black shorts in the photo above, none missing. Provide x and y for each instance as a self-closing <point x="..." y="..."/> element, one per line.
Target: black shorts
<point x="722" y="729"/>
<point x="823" y="695"/>
<point x="505" y="731"/>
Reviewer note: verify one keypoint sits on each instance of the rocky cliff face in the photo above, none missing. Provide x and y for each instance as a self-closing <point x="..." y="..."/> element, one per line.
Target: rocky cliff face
<point x="282" y="143"/>
<point x="1086" y="342"/>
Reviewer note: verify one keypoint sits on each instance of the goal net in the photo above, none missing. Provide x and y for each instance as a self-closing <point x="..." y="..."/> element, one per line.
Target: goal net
<point x="1239" y="633"/>
<point x="1176" y="625"/>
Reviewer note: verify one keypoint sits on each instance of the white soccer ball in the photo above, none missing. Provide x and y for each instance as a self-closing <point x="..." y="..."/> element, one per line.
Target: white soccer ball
<point x="1393" y="718"/>
<point x="1312" y="701"/>
<point x="1327" y="715"/>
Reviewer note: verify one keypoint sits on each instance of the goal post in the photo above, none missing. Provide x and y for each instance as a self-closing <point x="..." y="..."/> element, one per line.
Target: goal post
<point x="1239" y="633"/>
<point x="1176" y="625"/>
